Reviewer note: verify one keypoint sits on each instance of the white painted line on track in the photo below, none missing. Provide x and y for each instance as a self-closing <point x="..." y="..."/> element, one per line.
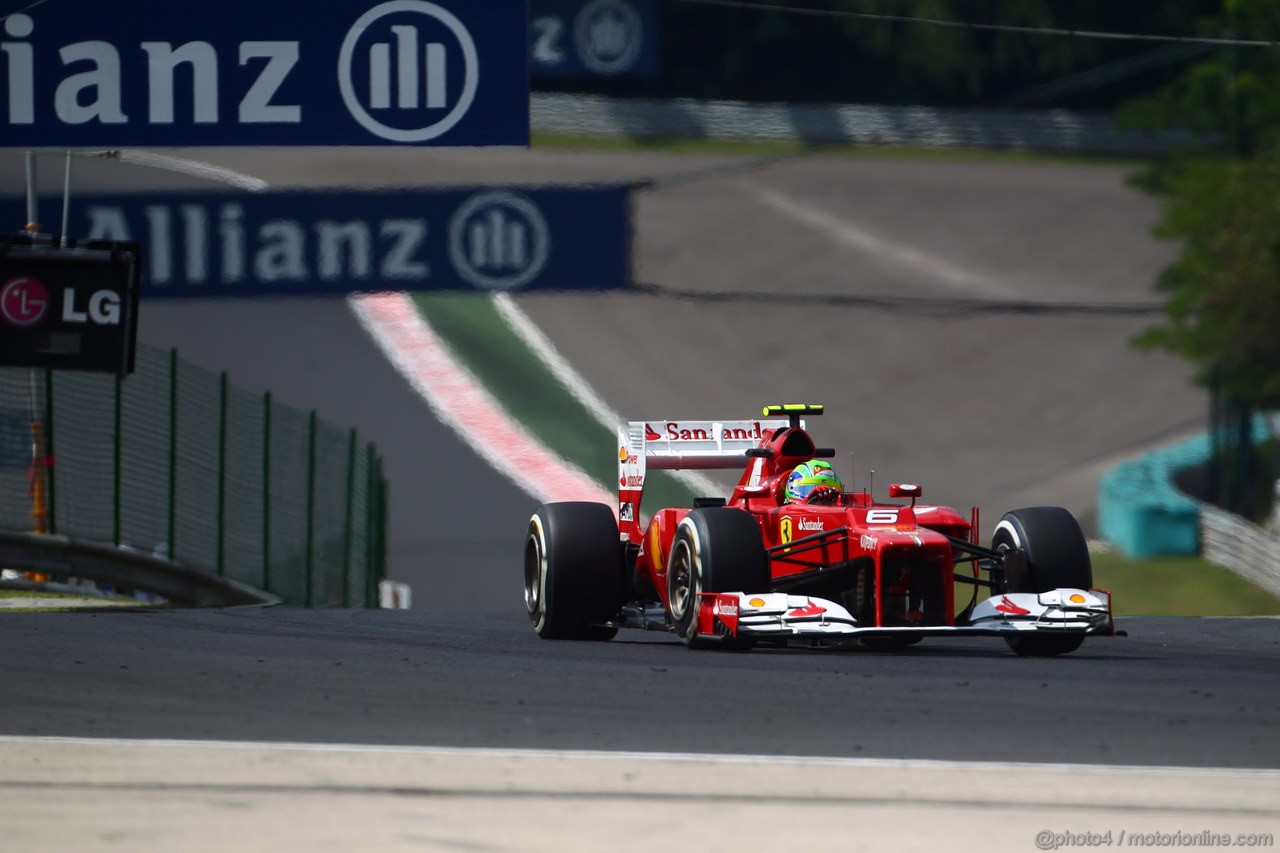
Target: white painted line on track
<point x="185" y="166"/>
<point x="462" y="403"/>
<point x="887" y="250"/>
<point x="579" y="388"/>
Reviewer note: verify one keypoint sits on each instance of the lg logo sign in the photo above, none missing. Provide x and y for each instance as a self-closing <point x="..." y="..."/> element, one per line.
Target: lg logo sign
<point x="24" y="302"/>
<point x="69" y="309"/>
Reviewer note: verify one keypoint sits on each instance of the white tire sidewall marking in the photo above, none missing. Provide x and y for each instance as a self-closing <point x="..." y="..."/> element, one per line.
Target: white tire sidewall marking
<point x="1010" y="529"/>
<point x="541" y="538"/>
<point x="695" y="565"/>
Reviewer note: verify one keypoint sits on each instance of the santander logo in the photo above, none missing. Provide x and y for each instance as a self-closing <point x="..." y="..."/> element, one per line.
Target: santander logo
<point x="673" y="431"/>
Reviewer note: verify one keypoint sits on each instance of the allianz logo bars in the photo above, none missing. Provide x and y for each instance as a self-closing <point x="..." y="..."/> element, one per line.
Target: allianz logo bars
<point x="411" y="60"/>
<point x="301" y="243"/>
<point x="265" y="72"/>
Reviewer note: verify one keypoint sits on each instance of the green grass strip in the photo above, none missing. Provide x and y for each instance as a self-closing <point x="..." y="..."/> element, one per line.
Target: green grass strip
<point x="1178" y="586"/>
<point x="476" y="334"/>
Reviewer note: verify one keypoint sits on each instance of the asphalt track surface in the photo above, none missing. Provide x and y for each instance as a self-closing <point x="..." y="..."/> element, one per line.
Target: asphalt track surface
<point x="1177" y="692"/>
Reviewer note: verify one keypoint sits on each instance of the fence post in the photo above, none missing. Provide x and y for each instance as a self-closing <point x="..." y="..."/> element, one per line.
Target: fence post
<point x="173" y="450"/>
<point x="266" y="491"/>
<point x="370" y="527"/>
<point x="346" y="528"/>
<point x="221" y="519"/>
<point x="384" y="499"/>
<point x="50" y="471"/>
<point x="309" y="583"/>
<point x="117" y="440"/>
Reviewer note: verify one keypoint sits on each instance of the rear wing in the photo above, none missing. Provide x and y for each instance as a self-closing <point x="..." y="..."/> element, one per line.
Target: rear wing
<point x="680" y="445"/>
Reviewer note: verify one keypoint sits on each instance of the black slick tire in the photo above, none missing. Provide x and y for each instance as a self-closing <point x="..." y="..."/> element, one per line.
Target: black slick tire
<point x="573" y="571"/>
<point x="714" y="550"/>
<point x="1044" y="549"/>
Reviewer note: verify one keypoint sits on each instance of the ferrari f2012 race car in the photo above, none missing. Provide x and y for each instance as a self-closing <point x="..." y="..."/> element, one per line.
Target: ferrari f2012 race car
<point x="756" y="568"/>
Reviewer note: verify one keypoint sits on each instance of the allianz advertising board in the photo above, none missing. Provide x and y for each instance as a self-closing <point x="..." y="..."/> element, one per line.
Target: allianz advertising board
<point x="264" y="72"/>
<point x="593" y="38"/>
<point x="301" y="243"/>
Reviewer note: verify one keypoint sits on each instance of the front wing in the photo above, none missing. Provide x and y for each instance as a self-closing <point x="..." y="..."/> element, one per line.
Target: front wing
<point x="781" y="617"/>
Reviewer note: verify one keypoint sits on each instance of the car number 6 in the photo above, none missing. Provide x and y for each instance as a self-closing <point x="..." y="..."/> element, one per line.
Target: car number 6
<point x="882" y="516"/>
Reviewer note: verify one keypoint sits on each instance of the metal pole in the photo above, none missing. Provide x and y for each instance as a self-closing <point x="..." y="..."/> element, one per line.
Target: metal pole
<point x="48" y="444"/>
<point x="39" y="454"/>
<point x="347" y="531"/>
<point x="370" y="522"/>
<point x="66" y="200"/>
<point x="384" y="490"/>
<point x="266" y="492"/>
<point x="222" y="473"/>
<point x="115" y="526"/>
<point x="173" y="450"/>
<point x="33" y="223"/>
<point x="311" y="511"/>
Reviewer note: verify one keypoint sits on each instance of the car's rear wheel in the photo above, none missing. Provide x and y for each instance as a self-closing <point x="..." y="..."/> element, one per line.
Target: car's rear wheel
<point x="1043" y="549"/>
<point x="714" y="550"/>
<point x="573" y="571"/>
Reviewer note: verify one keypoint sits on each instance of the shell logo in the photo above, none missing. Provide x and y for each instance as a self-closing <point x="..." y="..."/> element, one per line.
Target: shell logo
<point x="622" y="454"/>
<point x="756" y="602"/>
<point x="1077" y="598"/>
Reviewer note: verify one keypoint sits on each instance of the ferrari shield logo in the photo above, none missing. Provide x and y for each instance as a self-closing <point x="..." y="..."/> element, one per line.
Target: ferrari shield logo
<point x="785" y="530"/>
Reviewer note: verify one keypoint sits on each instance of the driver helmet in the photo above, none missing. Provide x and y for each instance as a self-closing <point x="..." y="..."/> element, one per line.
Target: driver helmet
<point x="807" y="476"/>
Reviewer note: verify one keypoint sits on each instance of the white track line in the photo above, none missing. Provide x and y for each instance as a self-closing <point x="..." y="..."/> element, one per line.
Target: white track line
<point x="886" y="250"/>
<point x="461" y="402"/>
<point x="207" y="171"/>
<point x="578" y="387"/>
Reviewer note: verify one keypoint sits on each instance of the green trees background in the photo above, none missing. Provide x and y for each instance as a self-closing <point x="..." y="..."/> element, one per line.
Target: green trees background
<point x="1223" y="204"/>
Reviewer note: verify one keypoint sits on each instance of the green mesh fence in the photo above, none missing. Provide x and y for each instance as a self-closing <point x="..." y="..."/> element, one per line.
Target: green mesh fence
<point x="177" y="462"/>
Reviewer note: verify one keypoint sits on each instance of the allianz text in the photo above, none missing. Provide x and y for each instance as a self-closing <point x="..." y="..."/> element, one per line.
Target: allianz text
<point x="197" y="244"/>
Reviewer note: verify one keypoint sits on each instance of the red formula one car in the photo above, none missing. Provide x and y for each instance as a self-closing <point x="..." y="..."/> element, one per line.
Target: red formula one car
<point x="756" y="568"/>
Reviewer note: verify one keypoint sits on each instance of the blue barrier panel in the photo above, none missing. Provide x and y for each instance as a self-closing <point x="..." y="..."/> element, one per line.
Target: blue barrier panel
<point x="306" y="243"/>
<point x="265" y="72"/>
<point x="609" y="38"/>
<point x="1143" y="513"/>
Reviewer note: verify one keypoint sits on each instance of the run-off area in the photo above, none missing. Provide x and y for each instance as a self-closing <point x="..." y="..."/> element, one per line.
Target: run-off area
<point x="147" y="795"/>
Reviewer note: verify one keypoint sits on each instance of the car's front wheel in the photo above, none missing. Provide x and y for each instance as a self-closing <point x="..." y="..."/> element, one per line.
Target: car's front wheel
<point x="714" y="550"/>
<point x="1043" y="549"/>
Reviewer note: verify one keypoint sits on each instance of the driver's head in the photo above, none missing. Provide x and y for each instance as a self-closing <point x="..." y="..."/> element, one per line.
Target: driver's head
<point x="808" y="476"/>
